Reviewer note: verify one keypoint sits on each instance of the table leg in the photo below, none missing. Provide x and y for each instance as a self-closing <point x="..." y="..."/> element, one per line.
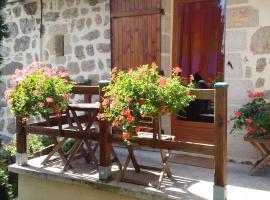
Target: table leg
<point x="56" y="149"/>
<point x="265" y="156"/>
<point x="259" y="164"/>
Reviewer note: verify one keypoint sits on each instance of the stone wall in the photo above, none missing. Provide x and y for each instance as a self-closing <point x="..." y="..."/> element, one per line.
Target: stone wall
<point x="248" y="50"/>
<point x="76" y="34"/>
<point x="166" y="50"/>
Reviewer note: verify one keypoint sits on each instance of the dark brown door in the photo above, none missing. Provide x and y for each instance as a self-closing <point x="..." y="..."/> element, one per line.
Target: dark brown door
<point x="136" y="32"/>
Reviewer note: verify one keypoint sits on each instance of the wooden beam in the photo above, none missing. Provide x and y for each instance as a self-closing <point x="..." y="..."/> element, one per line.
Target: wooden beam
<point x="21" y="144"/>
<point x="54" y="131"/>
<point x="220" y="177"/>
<point x="204" y="149"/>
<point x="105" y="144"/>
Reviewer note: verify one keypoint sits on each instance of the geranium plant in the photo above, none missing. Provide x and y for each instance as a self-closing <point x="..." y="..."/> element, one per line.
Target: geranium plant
<point x="254" y="116"/>
<point x="38" y="89"/>
<point x="141" y="93"/>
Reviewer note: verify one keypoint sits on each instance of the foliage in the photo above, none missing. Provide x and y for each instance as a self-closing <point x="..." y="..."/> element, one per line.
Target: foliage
<point x="3" y="26"/>
<point x="38" y="89"/>
<point x="68" y="145"/>
<point x="34" y="144"/>
<point x="46" y="141"/>
<point x="134" y="95"/>
<point x="253" y="116"/>
<point x="7" y="190"/>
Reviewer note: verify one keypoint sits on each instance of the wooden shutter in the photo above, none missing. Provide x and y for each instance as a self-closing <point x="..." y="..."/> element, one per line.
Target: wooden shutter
<point x="136" y="32"/>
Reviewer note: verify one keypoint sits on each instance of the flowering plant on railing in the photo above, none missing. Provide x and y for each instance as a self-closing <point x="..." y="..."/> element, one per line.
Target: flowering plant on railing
<point x="38" y="89"/>
<point x="253" y="116"/>
<point x="142" y="93"/>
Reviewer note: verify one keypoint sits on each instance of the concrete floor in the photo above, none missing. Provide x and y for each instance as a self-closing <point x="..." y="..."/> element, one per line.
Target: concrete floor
<point x="188" y="182"/>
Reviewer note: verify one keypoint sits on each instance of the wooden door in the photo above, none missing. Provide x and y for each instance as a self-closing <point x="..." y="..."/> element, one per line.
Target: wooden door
<point x="136" y="32"/>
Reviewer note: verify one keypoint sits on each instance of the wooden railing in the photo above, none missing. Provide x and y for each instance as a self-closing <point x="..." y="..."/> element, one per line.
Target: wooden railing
<point x="105" y="138"/>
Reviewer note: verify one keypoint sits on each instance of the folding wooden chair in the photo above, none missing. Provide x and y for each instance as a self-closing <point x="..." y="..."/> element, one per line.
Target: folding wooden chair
<point x="91" y="110"/>
<point x="151" y="136"/>
<point x="58" y="142"/>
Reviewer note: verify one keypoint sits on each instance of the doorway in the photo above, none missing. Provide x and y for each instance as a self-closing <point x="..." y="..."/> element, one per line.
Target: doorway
<point x="198" y="47"/>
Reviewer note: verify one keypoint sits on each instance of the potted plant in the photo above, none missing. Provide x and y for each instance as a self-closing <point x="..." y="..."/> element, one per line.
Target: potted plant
<point x="142" y="93"/>
<point x="254" y="117"/>
<point x="38" y="89"/>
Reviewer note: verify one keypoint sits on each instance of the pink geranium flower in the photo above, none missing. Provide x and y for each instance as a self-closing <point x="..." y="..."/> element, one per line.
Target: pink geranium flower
<point x="49" y="100"/>
<point x="40" y="104"/>
<point x="65" y="96"/>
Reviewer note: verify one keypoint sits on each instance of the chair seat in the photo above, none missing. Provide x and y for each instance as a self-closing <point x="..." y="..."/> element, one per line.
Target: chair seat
<point x="147" y="135"/>
<point x="84" y="106"/>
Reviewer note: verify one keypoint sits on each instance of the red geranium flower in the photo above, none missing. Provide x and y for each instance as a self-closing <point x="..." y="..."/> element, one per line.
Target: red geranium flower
<point x="162" y="81"/>
<point x="106" y="101"/>
<point x="130" y="118"/>
<point x="126" y="135"/>
<point x="250" y="128"/>
<point x="249" y="120"/>
<point x="65" y="96"/>
<point x="115" y="123"/>
<point x="258" y="94"/>
<point x="137" y="129"/>
<point x="250" y="95"/>
<point x="125" y="112"/>
<point x="177" y="70"/>
<point x="264" y="130"/>
<point x="188" y="93"/>
<point x="237" y="114"/>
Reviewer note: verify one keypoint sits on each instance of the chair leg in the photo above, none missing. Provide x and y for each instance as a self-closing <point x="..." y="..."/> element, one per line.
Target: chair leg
<point x="160" y="178"/>
<point x="91" y="156"/>
<point x="55" y="149"/>
<point x="84" y="154"/>
<point x="133" y="159"/>
<point x="123" y="172"/>
<point x="116" y="159"/>
<point x="165" y="161"/>
<point x="165" y="168"/>
<point x="75" y="149"/>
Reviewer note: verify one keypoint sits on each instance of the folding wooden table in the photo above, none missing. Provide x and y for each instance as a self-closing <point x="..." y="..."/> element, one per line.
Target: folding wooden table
<point x="260" y="145"/>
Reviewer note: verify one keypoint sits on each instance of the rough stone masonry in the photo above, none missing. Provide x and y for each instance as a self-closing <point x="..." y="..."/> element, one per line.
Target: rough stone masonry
<point x="83" y="27"/>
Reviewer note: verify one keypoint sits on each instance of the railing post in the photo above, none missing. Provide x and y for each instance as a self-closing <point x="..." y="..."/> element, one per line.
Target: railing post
<point x="104" y="143"/>
<point x="220" y="179"/>
<point x="21" y="153"/>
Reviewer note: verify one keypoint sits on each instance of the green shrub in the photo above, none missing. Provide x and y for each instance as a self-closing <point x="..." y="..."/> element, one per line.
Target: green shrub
<point x="7" y="191"/>
<point x="68" y="145"/>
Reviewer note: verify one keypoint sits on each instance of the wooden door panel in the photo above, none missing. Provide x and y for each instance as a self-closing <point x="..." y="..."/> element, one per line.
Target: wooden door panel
<point x="136" y="32"/>
<point x="198" y="132"/>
